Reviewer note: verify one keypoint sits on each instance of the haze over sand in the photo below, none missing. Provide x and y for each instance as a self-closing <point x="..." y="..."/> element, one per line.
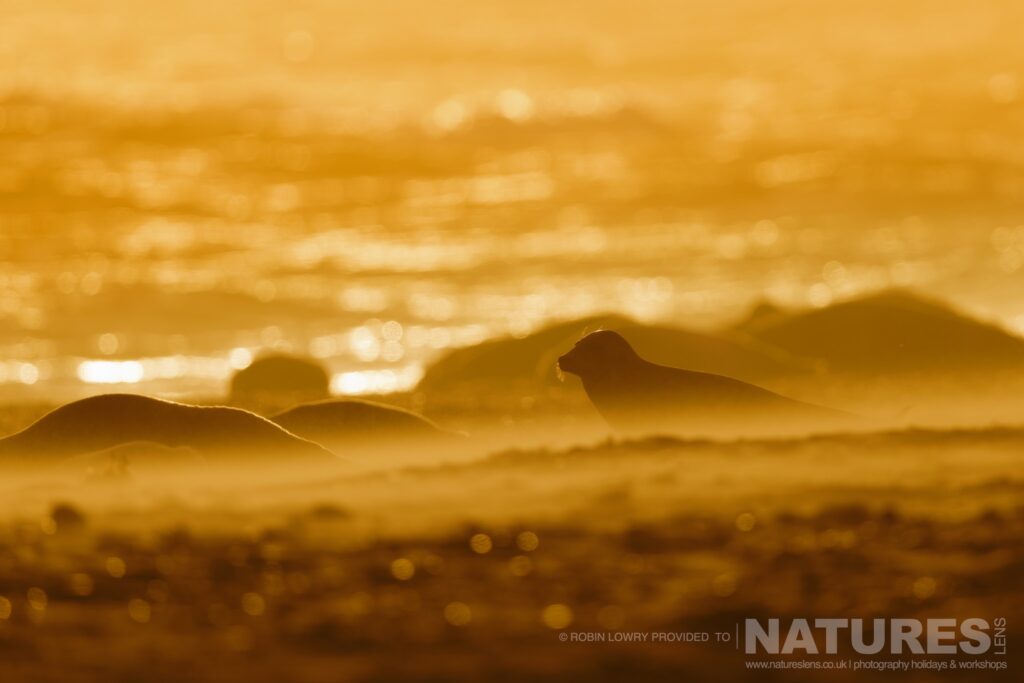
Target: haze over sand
<point x="427" y="562"/>
<point x="453" y="567"/>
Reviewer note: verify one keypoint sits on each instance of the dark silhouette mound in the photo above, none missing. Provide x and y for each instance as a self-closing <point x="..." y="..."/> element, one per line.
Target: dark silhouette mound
<point x="891" y="332"/>
<point x="112" y="420"/>
<point x="636" y="396"/>
<point x="272" y="382"/>
<point x="349" y="423"/>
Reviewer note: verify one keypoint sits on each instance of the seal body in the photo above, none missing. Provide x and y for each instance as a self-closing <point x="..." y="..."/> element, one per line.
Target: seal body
<point x="344" y="424"/>
<point x="111" y="420"/>
<point x="637" y="397"/>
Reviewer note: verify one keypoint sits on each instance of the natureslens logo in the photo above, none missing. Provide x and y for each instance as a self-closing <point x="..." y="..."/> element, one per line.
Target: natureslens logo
<point x="973" y="636"/>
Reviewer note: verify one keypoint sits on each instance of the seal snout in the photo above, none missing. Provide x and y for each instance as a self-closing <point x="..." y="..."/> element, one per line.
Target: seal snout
<point x="566" y="363"/>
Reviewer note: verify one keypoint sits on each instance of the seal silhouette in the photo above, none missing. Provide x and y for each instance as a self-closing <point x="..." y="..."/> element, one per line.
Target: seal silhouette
<point x="342" y="423"/>
<point x="636" y="396"/>
<point x="111" y="420"/>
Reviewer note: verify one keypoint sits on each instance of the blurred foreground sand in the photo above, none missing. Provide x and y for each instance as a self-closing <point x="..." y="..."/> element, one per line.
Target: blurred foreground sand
<point x="468" y="571"/>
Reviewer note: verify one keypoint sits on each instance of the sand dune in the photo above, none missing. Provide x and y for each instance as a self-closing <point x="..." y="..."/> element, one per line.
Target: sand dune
<point x="111" y="420"/>
<point x="890" y="332"/>
<point x="354" y="427"/>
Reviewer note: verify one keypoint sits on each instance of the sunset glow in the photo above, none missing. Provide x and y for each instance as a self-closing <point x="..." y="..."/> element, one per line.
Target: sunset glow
<point x="110" y="372"/>
<point x="515" y="341"/>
